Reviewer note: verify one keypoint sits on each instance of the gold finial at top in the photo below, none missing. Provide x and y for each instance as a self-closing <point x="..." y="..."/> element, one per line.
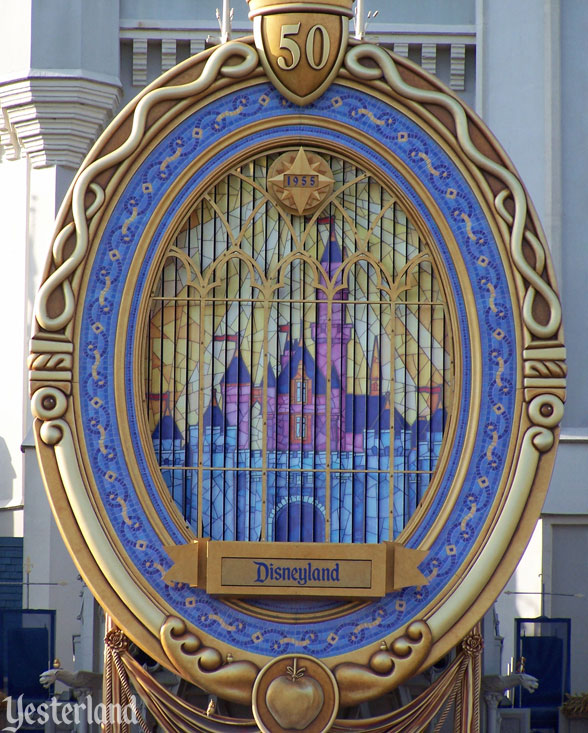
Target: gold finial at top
<point x="225" y="20"/>
<point x="267" y="7"/>
<point x="361" y="21"/>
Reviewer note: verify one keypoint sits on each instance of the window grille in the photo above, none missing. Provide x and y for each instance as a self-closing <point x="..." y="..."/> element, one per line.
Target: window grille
<point x="299" y="368"/>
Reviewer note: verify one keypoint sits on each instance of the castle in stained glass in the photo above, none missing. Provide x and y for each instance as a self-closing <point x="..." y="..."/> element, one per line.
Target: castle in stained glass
<point x="297" y="446"/>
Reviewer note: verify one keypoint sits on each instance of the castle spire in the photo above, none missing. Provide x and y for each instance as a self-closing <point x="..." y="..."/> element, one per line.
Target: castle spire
<point x="332" y="253"/>
<point x="375" y="370"/>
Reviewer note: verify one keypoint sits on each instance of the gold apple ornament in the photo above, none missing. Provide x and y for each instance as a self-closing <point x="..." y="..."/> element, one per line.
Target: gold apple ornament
<point x="293" y="699"/>
<point x="288" y="696"/>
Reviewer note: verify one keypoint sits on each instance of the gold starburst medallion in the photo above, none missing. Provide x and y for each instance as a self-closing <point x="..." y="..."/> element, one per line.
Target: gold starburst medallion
<point x="300" y="181"/>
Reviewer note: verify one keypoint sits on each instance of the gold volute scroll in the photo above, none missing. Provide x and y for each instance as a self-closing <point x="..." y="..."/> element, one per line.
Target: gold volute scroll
<point x="387" y="668"/>
<point x="301" y="44"/>
<point x="205" y="666"/>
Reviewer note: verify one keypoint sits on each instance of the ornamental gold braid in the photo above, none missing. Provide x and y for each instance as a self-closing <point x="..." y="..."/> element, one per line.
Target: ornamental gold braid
<point x="66" y="268"/>
<point x="387" y="67"/>
<point x="545" y="369"/>
<point x="215" y="66"/>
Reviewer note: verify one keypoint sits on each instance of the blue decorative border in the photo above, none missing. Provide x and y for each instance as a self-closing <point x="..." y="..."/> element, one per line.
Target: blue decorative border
<point x="487" y="279"/>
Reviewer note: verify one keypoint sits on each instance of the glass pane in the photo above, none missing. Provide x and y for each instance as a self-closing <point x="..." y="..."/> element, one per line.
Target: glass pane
<point x="299" y="367"/>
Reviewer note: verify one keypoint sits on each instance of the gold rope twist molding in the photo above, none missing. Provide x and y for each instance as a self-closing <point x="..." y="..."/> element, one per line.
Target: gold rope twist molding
<point x="216" y="65"/>
<point x="130" y="699"/>
<point x="545" y="369"/>
<point x="53" y="362"/>
<point x="108" y="696"/>
<point x="387" y="67"/>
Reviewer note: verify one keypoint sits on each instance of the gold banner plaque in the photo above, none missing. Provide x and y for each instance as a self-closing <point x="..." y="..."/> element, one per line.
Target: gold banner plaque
<point x="281" y="568"/>
<point x="287" y="573"/>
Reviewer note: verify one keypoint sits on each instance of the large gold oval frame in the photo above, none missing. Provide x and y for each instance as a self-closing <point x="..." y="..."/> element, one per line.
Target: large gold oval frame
<point x="86" y="375"/>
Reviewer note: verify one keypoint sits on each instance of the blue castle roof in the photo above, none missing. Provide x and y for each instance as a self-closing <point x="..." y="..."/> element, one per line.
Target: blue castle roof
<point x="369" y="412"/>
<point x="332" y="254"/>
<point x="213" y="415"/>
<point x="237" y="372"/>
<point x="331" y="260"/>
<point x="166" y="429"/>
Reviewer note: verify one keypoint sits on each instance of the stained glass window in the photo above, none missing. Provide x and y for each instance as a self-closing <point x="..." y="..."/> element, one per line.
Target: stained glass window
<point x="299" y="367"/>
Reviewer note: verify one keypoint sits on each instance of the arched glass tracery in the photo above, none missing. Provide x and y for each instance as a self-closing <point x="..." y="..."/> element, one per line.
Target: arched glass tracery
<point x="299" y="368"/>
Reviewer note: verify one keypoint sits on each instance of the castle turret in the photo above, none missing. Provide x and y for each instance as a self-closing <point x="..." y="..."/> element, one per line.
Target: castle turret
<point x="375" y="376"/>
<point x="236" y="387"/>
<point x="336" y="330"/>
